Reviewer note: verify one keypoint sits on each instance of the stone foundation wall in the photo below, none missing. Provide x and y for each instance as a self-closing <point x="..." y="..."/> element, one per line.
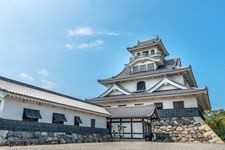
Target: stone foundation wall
<point x="31" y="138"/>
<point x="45" y="133"/>
<point x="184" y="130"/>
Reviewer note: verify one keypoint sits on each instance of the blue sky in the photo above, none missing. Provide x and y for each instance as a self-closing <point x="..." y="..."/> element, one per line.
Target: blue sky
<point x="68" y="45"/>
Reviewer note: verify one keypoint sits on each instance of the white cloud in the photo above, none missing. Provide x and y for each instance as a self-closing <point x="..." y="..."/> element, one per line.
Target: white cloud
<point x="91" y="45"/>
<point x="109" y="33"/>
<point x="79" y="31"/>
<point x="87" y="31"/>
<point x="43" y="72"/>
<point x="69" y="46"/>
<point x="48" y="84"/>
<point x="25" y="77"/>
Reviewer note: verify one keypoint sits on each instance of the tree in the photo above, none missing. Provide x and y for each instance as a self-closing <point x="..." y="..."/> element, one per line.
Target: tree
<point x="216" y="120"/>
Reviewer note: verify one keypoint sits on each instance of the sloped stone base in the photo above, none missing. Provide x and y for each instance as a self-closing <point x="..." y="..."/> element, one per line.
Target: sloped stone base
<point x="192" y="132"/>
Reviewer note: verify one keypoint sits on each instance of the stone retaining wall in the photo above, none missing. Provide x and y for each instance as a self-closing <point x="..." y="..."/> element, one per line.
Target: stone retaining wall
<point x="184" y="130"/>
<point x="32" y="138"/>
<point x="46" y="133"/>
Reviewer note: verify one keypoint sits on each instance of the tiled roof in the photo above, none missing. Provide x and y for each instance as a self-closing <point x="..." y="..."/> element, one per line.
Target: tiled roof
<point x="151" y="95"/>
<point x="147" y="111"/>
<point x="155" y="41"/>
<point x="170" y="66"/>
<point x="23" y="89"/>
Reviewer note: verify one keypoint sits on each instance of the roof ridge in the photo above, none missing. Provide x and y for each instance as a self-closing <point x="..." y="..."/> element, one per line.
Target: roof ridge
<point x="38" y="88"/>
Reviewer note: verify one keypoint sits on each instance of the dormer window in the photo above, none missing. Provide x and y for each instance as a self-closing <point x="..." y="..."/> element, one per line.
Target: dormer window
<point x="150" y="66"/>
<point x="145" y="53"/>
<point x="144" y="67"/>
<point x="141" y="86"/>
<point x="152" y="52"/>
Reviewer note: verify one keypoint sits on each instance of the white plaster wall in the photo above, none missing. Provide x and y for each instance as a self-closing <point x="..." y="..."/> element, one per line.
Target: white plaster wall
<point x="115" y="93"/>
<point x="189" y="102"/>
<point x="1" y="103"/>
<point x="166" y="87"/>
<point x="131" y="86"/>
<point x="13" y="109"/>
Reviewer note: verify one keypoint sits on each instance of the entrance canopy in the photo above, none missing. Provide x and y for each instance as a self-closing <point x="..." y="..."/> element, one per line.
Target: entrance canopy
<point x="146" y="111"/>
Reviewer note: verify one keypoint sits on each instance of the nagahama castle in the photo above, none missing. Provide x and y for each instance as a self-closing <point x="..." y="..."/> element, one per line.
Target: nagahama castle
<point x="151" y="97"/>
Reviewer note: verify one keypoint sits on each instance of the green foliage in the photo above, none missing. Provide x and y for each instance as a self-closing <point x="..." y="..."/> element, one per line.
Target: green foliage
<point x="216" y="120"/>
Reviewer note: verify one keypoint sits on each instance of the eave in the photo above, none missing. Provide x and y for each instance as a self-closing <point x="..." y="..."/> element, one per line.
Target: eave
<point x="154" y="43"/>
<point x="150" y="96"/>
<point x="146" y="76"/>
<point x="39" y="101"/>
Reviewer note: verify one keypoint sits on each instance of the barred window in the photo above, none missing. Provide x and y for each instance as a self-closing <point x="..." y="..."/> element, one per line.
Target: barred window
<point x="159" y="105"/>
<point x="92" y="123"/>
<point x="150" y="66"/>
<point x="141" y="86"/>
<point x="143" y="68"/>
<point x="135" y="69"/>
<point x="178" y="104"/>
<point x="31" y="115"/>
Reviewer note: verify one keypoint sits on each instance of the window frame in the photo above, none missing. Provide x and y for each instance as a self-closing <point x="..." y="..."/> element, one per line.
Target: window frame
<point x="93" y="123"/>
<point x="55" y="121"/>
<point x="159" y="105"/>
<point x="139" y="86"/>
<point x="178" y="104"/>
<point x="27" y="119"/>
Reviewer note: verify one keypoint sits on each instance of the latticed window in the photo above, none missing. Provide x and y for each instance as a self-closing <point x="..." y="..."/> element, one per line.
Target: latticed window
<point x="92" y="123"/>
<point x="178" y="104"/>
<point x="58" y="118"/>
<point x="159" y="105"/>
<point x="77" y="121"/>
<point x="141" y="86"/>
<point x="31" y="115"/>
<point x="143" y="68"/>
<point x="135" y="69"/>
<point x="150" y="66"/>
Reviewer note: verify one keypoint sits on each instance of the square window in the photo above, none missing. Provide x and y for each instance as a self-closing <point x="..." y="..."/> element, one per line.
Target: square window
<point x="159" y="105"/>
<point x="178" y="104"/>
<point x="92" y="123"/>
<point x="143" y="68"/>
<point x="135" y="69"/>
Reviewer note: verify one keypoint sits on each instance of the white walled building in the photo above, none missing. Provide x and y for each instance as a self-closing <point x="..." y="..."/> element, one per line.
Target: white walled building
<point x="46" y="110"/>
<point x="149" y="78"/>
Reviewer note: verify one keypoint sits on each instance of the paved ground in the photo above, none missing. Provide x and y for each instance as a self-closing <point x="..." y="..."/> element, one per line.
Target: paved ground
<point x="121" y="146"/>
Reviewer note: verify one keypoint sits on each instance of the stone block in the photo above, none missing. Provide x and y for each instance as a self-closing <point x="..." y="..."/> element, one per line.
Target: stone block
<point x="208" y="133"/>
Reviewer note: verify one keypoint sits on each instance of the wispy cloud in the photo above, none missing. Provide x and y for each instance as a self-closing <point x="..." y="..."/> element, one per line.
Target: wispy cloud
<point x="85" y="45"/>
<point x="81" y="31"/>
<point x="48" y="84"/>
<point x="88" y="31"/>
<point x="109" y="33"/>
<point x="69" y="46"/>
<point x="43" y="72"/>
<point x="25" y="77"/>
<point x="94" y="44"/>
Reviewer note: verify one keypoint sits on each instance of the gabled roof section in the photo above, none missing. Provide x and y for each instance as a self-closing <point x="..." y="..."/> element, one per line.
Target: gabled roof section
<point x="141" y="59"/>
<point x="202" y="93"/>
<point x="170" y="67"/>
<point x="146" y="111"/>
<point x="165" y="82"/>
<point x="20" y="89"/>
<point x="153" y="42"/>
<point x="113" y="88"/>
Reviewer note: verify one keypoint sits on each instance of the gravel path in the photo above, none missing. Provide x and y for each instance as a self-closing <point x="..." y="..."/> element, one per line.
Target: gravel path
<point x="121" y="146"/>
